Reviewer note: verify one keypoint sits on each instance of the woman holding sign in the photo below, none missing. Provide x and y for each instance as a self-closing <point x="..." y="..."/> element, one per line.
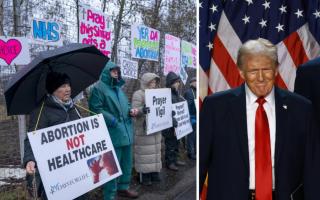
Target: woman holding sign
<point x="57" y="108"/>
<point x="147" y="148"/>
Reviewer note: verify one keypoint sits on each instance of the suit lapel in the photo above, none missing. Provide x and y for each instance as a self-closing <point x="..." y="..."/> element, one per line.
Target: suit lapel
<point x="281" y="122"/>
<point x="238" y="111"/>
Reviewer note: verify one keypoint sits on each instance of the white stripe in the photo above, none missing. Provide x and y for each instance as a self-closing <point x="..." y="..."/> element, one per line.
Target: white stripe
<point x="228" y="37"/>
<point x="217" y="82"/>
<point x="203" y="83"/>
<point x="287" y="68"/>
<point x="310" y="45"/>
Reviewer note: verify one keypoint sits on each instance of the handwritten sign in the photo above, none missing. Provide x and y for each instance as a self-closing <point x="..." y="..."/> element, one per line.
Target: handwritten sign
<point x="160" y="116"/>
<point x="172" y="54"/>
<point x="129" y="68"/>
<point x="46" y="32"/>
<point x="188" y="54"/>
<point x="144" y="42"/>
<point x="183" y="118"/>
<point x="95" y="29"/>
<point x="14" y="51"/>
<point x="74" y="157"/>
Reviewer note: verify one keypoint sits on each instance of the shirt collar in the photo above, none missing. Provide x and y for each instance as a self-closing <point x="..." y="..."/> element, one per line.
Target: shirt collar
<point x="251" y="98"/>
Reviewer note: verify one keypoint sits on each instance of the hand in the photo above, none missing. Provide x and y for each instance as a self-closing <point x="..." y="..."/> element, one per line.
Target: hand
<point x="134" y="112"/>
<point x="96" y="169"/>
<point x="145" y="109"/>
<point x="30" y="167"/>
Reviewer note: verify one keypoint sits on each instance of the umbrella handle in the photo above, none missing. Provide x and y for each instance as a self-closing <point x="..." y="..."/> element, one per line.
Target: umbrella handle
<point x="35" y="128"/>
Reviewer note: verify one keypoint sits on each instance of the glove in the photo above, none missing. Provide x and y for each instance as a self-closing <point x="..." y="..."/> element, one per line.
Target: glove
<point x="174" y="122"/>
<point x="145" y="109"/>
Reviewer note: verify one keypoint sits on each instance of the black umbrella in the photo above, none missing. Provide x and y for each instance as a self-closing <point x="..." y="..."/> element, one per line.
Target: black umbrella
<point x="26" y="89"/>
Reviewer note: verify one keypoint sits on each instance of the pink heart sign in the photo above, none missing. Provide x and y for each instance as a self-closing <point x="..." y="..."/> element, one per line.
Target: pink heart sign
<point x="10" y="50"/>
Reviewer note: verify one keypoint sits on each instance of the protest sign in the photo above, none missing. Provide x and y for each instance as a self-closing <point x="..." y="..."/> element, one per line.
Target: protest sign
<point x="95" y="29"/>
<point x="14" y="51"/>
<point x="172" y="54"/>
<point x="187" y="54"/>
<point x="129" y="68"/>
<point x="74" y="157"/>
<point x="183" y="118"/>
<point x="183" y="75"/>
<point x="159" y="103"/>
<point x="46" y="32"/>
<point x="194" y="56"/>
<point x="144" y="42"/>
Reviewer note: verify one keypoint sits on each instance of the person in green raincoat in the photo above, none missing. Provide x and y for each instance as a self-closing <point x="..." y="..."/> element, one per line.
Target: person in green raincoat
<point x="108" y="99"/>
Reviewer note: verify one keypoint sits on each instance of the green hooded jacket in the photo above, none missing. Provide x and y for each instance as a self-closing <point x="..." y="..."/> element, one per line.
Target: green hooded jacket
<point x="108" y="98"/>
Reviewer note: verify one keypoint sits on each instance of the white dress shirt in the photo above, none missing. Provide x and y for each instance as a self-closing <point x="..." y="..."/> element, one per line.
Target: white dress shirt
<point x="269" y="107"/>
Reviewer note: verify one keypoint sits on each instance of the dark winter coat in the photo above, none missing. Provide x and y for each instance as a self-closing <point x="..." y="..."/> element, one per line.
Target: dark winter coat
<point x="52" y="114"/>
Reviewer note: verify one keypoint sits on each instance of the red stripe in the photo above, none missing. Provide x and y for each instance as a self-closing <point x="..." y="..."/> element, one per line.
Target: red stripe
<point x="225" y="63"/>
<point x="296" y="49"/>
<point x="280" y="83"/>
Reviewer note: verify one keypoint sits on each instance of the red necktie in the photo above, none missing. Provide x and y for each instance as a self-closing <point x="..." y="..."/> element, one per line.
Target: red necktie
<point x="263" y="164"/>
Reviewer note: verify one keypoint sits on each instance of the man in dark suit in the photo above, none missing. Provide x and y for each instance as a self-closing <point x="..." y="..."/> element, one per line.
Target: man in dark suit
<point x="307" y="84"/>
<point x="257" y="141"/>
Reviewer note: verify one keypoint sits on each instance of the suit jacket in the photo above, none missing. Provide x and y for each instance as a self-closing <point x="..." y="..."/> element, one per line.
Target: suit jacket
<point x="224" y="146"/>
<point x="307" y="83"/>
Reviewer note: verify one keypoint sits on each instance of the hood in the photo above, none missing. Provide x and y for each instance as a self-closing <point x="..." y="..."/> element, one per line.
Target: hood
<point x="146" y="78"/>
<point x="171" y="78"/>
<point x="106" y="77"/>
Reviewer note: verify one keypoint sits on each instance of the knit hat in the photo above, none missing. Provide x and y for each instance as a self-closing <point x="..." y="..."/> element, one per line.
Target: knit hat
<point x="55" y="80"/>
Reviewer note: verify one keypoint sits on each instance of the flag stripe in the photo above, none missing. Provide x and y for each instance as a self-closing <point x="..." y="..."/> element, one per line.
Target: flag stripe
<point x="310" y="45"/>
<point x="226" y="64"/>
<point x="295" y="49"/>
<point x="217" y="82"/>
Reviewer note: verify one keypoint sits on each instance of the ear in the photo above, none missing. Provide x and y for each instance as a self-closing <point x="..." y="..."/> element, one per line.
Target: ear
<point x="241" y="72"/>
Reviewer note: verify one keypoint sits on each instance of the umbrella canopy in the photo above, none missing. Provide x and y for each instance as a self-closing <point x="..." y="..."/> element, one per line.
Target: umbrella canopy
<point x="81" y="62"/>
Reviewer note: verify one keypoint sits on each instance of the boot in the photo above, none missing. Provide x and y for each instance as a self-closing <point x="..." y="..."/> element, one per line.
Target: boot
<point x="173" y="167"/>
<point x="146" y="179"/>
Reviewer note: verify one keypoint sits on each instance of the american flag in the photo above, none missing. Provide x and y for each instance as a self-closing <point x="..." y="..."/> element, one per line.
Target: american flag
<point x="293" y="25"/>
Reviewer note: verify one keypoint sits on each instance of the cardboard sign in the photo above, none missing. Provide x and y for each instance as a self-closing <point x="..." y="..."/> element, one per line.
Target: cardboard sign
<point x="160" y="116"/>
<point x="14" y="51"/>
<point x="129" y="68"/>
<point x="183" y="118"/>
<point x="188" y="54"/>
<point x="144" y="42"/>
<point x="46" y="32"/>
<point x="95" y="29"/>
<point x="74" y="157"/>
<point x="172" y="54"/>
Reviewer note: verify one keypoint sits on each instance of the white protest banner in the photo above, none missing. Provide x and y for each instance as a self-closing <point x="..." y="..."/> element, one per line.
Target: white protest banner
<point x="187" y="54"/>
<point x="46" y="32"/>
<point x="183" y="75"/>
<point x="159" y="103"/>
<point x="129" y="68"/>
<point x="95" y="29"/>
<point x="74" y="157"/>
<point x="144" y="42"/>
<point x="172" y="54"/>
<point x="183" y="119"/>
<point x="14" y="51"/>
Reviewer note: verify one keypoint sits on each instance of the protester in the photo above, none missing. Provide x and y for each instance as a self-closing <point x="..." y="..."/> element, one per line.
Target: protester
<point x="108" y="98"/>
<point x="170" y="139"/>
<point x="147" y="148"/>
<point x="190" y="95"/>
<point x="57" y="108"/>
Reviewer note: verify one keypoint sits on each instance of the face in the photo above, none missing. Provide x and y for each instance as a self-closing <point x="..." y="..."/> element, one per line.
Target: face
<point x="63" y="92"/>
<point x="259" y="72"/>
<point x="176" y="85"/>
<point x="114" y="73"/>
<point x="152" y="84"/>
